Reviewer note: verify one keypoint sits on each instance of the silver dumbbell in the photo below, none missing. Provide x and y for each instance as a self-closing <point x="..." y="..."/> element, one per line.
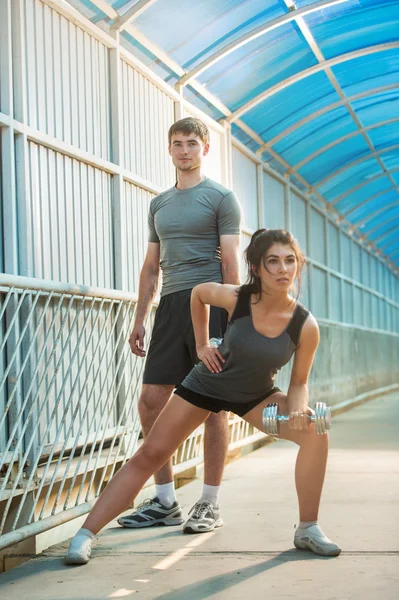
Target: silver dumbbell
<point x="321" y="418"/>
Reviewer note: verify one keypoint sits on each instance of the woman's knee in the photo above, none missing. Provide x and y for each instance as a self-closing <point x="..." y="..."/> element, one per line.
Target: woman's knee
<point x="309" y="436"/>
<point x="150" y="456"/>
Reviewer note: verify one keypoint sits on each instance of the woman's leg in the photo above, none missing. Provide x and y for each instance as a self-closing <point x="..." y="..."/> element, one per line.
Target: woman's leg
<point x="175" y="423"/>
<point x="309" y="477"/>
<point x="311" y="460"/>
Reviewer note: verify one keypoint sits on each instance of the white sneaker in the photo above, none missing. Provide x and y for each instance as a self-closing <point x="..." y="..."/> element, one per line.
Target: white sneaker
<point x="312" y="538"/>
<point x="79" y="551"/>
<point x="203" y="517"/>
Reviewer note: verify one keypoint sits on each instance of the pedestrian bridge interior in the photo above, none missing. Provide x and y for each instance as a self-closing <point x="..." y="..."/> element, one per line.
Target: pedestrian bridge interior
<point x="302" y="102"/>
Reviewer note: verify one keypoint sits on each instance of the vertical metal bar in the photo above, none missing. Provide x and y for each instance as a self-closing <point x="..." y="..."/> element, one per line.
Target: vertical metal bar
<point x="118" y="202"/>
<point x="179" y="106"/>
<point x="259" y="193"/>
<point x="341" y="281"/>
<point x="10" y="214"/>
<point x="327" y="255"/>
<point x="287" y="203"/>
<point x="227" y="164"/>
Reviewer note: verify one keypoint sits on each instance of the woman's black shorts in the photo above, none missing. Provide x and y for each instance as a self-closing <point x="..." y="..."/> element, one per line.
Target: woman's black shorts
<point x="215" y="405"/>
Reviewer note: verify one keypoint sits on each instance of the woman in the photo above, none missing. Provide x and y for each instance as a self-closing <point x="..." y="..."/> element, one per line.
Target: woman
<point x="266" y="327"/>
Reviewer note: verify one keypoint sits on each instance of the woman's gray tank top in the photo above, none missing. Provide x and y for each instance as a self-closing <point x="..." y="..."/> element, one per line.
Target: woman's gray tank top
<point x="251" y="359"/>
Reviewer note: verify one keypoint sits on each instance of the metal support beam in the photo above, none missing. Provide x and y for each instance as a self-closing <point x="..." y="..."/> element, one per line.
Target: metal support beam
<point x="325" y="110"/>
<point x="374" y="214"/>
<point x="259" y="190"/>
<point x="254" y="34"/>
<point x="383" y="223"/>
<point x="354" y="163"/>
<point x="344" y="138"/>
<point x="364" y="202"/>
<point x="137" y="9"/>
<point x="282" y="85"/>
<point x="384" y="235"/>
<point x="361" y="185"/>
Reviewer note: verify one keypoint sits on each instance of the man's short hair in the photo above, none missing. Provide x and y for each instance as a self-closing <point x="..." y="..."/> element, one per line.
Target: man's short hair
<point x="187" y="126"/>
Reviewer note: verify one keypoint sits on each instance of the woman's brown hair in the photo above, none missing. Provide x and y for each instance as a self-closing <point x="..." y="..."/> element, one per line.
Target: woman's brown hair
<point x="261" y="241"/>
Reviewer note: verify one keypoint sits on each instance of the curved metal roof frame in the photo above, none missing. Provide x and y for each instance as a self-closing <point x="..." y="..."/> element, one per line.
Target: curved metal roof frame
<point x="341" y="50"/>
<point x="322" y="111"/>
<point x="354" y="163"/>
<point x="361" y="185"/>
<point x="386" y="233"/>
<point x="254" y="34"/>
<point x="344" y="138"/>
<point x="377" y="227"/>
<point x="331" y="62"/>
<point x="366" y="201"/>
<point x="374" y="214"/>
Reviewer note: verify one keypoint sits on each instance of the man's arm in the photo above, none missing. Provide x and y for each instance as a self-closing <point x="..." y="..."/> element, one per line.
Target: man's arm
<point x="149" y="277"/>
<point x="229" y="249"/>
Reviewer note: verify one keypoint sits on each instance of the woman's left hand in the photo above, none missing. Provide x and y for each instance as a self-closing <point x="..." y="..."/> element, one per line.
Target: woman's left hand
<point x="299" y="419"/>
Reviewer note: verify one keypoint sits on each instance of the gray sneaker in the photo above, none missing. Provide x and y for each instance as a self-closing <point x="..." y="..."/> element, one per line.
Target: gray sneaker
<point x="203" y="517"/>
<point x="152" y="512"/>
<point x="314" y="539"/>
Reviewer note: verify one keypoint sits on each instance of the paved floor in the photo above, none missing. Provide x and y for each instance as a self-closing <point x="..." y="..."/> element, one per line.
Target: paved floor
<point x="253" y="554"/>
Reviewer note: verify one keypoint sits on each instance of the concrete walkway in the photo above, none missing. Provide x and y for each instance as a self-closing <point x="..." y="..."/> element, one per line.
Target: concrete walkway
<point x="253" y="554"/>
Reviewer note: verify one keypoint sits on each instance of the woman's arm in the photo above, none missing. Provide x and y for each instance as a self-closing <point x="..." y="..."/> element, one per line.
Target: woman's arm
<point x="298" y="393"/>
<point x="203" y="296"/>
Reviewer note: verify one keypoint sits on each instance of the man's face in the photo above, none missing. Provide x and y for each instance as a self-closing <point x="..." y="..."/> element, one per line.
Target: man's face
<point x="187" y="151"/>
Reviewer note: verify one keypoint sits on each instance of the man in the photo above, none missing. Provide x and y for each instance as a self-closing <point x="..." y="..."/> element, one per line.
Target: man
<point x="194" y="238"/>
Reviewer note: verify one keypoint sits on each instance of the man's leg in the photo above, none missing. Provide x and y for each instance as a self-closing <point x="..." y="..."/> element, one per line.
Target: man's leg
<point x="164" y="508"/>
<point x="216" y="443"/>
<point x="205" y="514"/>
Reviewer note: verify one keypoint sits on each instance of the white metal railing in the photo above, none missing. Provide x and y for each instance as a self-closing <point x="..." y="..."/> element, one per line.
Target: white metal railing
<point x="68" y="401"/>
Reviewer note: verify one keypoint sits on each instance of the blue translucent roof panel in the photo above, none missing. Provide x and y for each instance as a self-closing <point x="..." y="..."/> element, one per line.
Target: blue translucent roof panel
<point x="315" y="135"/>
<point x="275" y="114"/>
<point x="350" y="177"/>
<point x="367" y="72"/>
<point x="177" y="37"/>
<point x="147" y="57"/>
<point x="391" y="160"/>
<point x="355" y="197"/>
<point x="366" y="210"/>
<point x="259" y="65"/>
<point x="91" y="11"/>
<point x="344" y="30"/>
<point x="390" y="244"/>
<point x="381" y="216"/>
<point x="196" y="30"/>
<point x="386" y="135"/>
<point x="377" y="106"/>
<point x="384" y="235"/>
<point x="334" y="159"/>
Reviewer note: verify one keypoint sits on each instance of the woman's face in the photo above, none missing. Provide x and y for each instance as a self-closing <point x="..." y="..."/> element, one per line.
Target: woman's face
<point x="278" y="268"/>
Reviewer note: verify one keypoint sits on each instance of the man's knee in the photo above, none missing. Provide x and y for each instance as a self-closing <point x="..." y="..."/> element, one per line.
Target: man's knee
<point x="153" y="398"/>
<point x="217" y="420"/>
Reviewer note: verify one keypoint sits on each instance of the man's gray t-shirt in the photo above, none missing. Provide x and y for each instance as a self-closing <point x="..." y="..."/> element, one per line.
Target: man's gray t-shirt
<point x="188" y="224"/>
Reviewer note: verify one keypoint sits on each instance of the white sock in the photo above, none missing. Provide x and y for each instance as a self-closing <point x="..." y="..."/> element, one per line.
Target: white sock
<point x="210" y="493"/>
<point x="306" y="524"/>
<point x="166" y="493"/>
<point x="85" y="533"/>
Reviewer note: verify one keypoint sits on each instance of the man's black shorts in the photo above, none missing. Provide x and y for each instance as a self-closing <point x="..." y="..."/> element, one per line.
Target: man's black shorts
<point x="172" y="354"/>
